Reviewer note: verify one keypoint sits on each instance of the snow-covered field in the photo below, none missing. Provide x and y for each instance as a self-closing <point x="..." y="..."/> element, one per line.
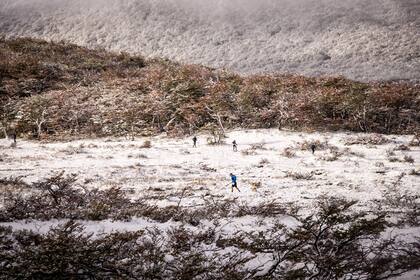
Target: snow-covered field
<point x="172" y="172"/>
<point x="172" y="168"/>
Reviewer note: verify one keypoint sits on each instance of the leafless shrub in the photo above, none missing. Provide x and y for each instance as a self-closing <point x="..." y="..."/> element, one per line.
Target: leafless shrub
<point x="146" y="144"/>
<point x="402" y="202"/>
<point x="414" y="172"/>
<point x="248" y="152"/>
<point x="288" y="152"/>
<point x="258" y="146"/>
<point x="415" y="142"/>
<point x="137" y="156"/>
<point x="332" y="155"/>
<point x="390" y="152"/>
<point x="263" y="162"/>
<point x="408" y="159"/>
<point x="71" y="150"/>
<point x="216" y="132"/>
<point x="13" y="181"/>
<point x="368" y="139"/>
<point x="393" y="159"/>
<point x="268" y="209"/>
<point x="379" y="164"/>
<point x="402" y="147"/>
<point x="300" y="175"/>
<point x="319" y="144"/>
<point x="356" y="154"/>
<point x="206" y="168"/>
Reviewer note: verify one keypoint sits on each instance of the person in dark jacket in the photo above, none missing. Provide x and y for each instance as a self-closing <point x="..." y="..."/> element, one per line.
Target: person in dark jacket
<point x="14" y="143"/>
<point x="313" y="147"/>
<point x="234" y="146"/>
<point x="194" y="141"/>
<point x="234" y="182"/>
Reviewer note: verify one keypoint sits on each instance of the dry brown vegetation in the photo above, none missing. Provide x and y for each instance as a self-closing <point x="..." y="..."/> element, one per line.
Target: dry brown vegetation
<point x="333" y="243"/>
<point x="61" y="90"/>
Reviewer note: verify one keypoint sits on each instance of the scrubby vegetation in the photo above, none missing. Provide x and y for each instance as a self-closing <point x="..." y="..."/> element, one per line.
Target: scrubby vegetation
<point x="60" y="90"/>
<point x="333" y="242"/>
<point x="60" y="197"/>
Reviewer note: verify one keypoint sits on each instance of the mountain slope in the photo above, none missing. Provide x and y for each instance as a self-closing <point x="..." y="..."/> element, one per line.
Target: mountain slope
<point x="360" y="39"/>
<point x="66" y="89"/>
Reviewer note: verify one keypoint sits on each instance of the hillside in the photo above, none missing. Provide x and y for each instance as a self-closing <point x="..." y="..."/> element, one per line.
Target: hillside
<point x="359" y="39"/>
<point x="61" y="89"/>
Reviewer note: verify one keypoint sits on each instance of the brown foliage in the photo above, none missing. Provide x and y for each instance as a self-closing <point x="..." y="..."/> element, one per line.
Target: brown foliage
<point x="94" y="92"/>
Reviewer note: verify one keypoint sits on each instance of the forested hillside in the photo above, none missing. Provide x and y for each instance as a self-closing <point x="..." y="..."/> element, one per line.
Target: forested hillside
<point x="60" y="90"/>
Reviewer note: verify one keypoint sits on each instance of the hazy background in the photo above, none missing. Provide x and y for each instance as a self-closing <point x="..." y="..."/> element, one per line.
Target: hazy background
<point x="361" y="39"/>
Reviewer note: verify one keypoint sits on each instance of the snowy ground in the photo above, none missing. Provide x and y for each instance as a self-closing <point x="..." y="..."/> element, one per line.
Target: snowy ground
<point x="161" y="172"/>
<point x="172" y="172"/>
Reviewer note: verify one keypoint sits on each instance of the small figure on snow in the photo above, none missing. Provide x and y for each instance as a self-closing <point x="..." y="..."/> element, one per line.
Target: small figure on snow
<point x="13" y="136"/>
<point x="194" y="141"/>
<point x="234" y="183"/>
<point x="313" y="147"/>
<point x="234" y="146"/>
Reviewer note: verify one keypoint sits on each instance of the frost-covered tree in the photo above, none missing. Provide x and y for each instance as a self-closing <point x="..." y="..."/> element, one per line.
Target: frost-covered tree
<point x="35" y="113"/>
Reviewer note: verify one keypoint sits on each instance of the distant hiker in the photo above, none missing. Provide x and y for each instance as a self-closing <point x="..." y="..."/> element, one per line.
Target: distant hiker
<point x="234" y="183"/>
<point x="234" y="146"/>
<point x="13" y="136"/>
<point x="313" y="147"/>
<point x="194" y="141"/>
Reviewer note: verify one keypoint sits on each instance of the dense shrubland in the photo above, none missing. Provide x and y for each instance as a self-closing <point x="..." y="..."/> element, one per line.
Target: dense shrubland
<point x="59" y="89"/>
<point x="61" y="197"/>
<point x="334" y="241"/>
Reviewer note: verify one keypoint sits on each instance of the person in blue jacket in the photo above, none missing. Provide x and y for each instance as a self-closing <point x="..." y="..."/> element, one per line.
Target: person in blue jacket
<point x="234" y="183"/>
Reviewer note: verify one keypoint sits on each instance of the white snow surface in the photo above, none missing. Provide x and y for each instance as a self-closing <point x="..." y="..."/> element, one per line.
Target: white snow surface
<point x="360" y="39"/>
<point x="161" y="172"/>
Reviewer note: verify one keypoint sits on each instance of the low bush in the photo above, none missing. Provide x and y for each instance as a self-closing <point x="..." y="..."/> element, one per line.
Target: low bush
<point x="332" y="155"/>
<point x="369" y="139"/>
<point x="408" y="159"/>
<point x="300" y="175"/>
<point x="288" y="152"/>
<point x="319" y="145"/>
<point x="146" y="144"/>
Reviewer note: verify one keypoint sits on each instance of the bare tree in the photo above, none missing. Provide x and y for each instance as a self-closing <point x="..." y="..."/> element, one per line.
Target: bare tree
<point x="36" y="111"/>
<point x="7" y="115"/>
